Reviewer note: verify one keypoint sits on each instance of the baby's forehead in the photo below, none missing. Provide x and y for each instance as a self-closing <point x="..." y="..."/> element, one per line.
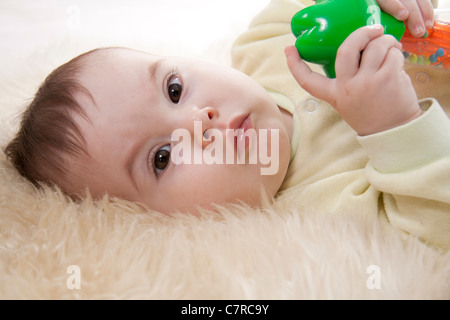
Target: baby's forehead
<point x="102" y="56"/>
<point x="102" y="63"/>
<point x="110" y="76"/>
<point x="108" y="54"/>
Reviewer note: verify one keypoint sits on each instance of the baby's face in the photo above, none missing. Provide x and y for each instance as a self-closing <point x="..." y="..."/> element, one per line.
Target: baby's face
<point x="164" y="131"/>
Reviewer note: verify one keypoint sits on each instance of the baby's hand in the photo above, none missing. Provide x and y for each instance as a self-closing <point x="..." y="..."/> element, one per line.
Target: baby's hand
<point x="372" y="93"/>
<point x="417" y="13"/>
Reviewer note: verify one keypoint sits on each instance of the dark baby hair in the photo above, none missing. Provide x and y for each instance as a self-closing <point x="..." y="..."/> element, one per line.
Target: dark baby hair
<point x="47" y="130"/>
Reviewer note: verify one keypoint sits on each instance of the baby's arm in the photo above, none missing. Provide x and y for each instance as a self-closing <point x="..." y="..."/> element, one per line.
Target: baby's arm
<point x="372" y="93"/>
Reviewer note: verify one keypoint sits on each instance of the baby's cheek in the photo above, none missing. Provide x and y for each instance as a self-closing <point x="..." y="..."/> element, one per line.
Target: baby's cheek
<point x="198" y="184"/>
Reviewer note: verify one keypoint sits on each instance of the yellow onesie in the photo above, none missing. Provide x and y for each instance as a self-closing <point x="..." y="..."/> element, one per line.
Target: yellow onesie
<point x="400" y="177"/>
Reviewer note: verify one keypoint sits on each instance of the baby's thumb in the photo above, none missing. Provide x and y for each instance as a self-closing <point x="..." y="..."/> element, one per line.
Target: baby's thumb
<point x="316" y="84"/>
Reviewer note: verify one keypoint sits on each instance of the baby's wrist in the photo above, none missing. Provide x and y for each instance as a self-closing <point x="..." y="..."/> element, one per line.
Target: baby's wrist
<point x="408" y="118"/>
<point x="419" y="112"/>
<point x="423" y="139"/>
<point x="391" y="122"/>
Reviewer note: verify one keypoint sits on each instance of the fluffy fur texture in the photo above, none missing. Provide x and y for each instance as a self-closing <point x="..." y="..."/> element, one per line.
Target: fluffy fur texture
<point x="126" y="252"/>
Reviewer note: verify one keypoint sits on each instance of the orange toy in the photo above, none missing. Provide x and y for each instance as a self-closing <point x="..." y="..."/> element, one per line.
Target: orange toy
<point x="432" y="49"/>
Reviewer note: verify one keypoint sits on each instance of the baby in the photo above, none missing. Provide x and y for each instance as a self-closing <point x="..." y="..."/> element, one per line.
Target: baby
<point x="175" y="133"/>
<point x="105" y="121"/>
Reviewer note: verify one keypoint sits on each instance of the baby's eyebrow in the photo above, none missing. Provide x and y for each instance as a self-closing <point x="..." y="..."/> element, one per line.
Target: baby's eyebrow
<point x="154" y="69"/>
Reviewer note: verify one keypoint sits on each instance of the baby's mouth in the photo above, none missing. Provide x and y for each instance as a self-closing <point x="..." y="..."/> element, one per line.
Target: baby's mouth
<point x="240" y="130"/>
<point x="244" y="126"/>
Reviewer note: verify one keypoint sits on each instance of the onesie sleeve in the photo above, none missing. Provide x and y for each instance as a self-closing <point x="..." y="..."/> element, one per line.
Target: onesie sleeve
<point x="410" y="166"/>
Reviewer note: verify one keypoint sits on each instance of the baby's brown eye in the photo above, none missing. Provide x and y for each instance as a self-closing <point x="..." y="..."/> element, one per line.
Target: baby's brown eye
<point x="162" y="158"/>
<point x="175" y="88"/>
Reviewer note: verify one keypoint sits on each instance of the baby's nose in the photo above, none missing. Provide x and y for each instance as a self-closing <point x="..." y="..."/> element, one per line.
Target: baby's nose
<point x="204" y="120"/>
<point x="207" y="114"/>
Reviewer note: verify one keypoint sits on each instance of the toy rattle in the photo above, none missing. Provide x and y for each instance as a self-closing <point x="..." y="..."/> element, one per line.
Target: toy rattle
<point x="320" y="30"/>
<point x="432" y="49"/>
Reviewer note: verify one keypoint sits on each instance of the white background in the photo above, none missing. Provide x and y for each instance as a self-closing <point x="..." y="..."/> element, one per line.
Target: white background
<point x="183" y="27"/>
<point x="188" y="26"/>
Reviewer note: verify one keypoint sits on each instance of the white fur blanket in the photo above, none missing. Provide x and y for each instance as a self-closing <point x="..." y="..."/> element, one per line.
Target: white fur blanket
<point x="52" y="248"/>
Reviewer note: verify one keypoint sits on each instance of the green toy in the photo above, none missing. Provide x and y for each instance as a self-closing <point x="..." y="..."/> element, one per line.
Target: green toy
<point x="320" y="29"/>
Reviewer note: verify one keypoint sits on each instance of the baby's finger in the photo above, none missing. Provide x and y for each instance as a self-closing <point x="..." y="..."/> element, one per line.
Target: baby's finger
<point x="426" y="7"/>
<point x="316" y="84"/>
<point x="394" y="8"/>
<point x="349" y="53"/>
<point x="394" y="62"/>
<point x="376" y="52"/>
<point x="419" y="12"/>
